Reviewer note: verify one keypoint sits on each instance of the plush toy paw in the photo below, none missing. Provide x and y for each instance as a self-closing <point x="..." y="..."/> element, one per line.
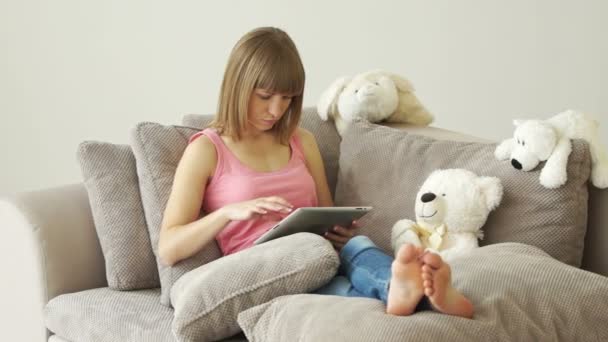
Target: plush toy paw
<point x="402" y="233"/>
<point x="599" y="175"/>
<point x="553" y="177"/>
<point x="503" y="150"/>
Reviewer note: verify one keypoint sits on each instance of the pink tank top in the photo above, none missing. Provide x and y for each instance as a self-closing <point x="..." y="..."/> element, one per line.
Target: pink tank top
<point x="234" y="182"/>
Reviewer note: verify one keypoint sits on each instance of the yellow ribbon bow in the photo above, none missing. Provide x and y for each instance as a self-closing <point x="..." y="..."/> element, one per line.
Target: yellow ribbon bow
<point x="431" y="238"/>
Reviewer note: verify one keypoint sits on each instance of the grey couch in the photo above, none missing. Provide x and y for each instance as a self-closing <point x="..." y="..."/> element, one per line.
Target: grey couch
<point x="56" y="226"/>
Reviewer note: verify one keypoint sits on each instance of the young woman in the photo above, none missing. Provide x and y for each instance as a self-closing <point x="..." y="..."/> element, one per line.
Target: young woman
<point x="254" y="165"/>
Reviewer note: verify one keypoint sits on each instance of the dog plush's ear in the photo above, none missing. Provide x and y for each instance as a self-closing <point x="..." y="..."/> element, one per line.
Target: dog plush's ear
<point x="504" y="149"/>
<point x="546" y="138"/>
<point x="326" y="106"/>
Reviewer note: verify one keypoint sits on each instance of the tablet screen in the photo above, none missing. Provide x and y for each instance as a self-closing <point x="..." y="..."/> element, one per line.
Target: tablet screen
<point x="315" y="220"/>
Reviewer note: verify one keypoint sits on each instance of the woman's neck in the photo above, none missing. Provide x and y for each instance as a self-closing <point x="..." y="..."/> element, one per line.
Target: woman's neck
<point x="256" y="137"/>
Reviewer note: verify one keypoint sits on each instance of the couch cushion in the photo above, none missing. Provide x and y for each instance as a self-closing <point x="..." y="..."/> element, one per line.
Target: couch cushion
<point x="325" y="133"/>
<point x="110" y="178"/>
<point x="207" y="300"/>
<point x="384" y="167"/>
<point x="158" y="149"/>
<point x="107" y="315"/>
<point x="519" y="294"/>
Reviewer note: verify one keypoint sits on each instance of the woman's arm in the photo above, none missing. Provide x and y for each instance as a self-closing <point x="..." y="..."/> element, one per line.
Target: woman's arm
<point x="314" y="162"/>
<point x="182" y="233"/>
<point x="339" y="236"/>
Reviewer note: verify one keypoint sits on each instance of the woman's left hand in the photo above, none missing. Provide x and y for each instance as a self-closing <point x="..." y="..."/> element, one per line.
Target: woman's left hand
<point x="339" y="236"/>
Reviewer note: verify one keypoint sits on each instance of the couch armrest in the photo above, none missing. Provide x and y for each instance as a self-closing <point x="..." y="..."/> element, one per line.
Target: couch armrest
<point x="595" y="258"/>
<point x="48" y="247"/>
<point x="55" y="225"/>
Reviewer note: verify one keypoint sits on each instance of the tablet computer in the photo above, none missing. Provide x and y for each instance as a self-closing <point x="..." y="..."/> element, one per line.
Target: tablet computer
<point x="316" y="220"/>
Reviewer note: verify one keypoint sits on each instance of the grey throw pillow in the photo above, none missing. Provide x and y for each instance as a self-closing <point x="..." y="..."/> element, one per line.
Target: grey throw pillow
<point x="207" y="300"/>
<point x="111" y="181"/>
<point x="519" y="294"/>
<point x="325" y="134"/>
<point x="384" y="167"/>
<point x="158" y="149"/>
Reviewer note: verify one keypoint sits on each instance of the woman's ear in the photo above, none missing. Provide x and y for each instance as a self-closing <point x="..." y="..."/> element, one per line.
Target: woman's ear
<point x="326" y="107"/>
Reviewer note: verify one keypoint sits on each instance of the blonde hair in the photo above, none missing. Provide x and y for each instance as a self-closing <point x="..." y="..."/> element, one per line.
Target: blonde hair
<point x="265" y="58"/>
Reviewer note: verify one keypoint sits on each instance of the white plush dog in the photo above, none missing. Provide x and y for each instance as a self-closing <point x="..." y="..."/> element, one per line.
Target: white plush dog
<point x="373" y="96"/>
<point x="451" y="207"/>
<point x="535" y="141"/>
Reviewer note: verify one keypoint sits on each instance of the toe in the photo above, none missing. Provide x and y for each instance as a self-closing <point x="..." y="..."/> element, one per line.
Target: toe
<point x="432" y="260"/>
<point x="406" y="253"/>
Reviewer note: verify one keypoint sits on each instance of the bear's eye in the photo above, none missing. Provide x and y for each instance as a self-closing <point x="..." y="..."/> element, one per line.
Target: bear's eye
<point x="377" y="83"/>
<point x="356" y="91"/>
<point x="523" y="143"/>
<point x="443" y="195"/>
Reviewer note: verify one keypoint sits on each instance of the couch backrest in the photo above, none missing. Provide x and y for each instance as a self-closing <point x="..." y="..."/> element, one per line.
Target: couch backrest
<point x="595" y="257"/>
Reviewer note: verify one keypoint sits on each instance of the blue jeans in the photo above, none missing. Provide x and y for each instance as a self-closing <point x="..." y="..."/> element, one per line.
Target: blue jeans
<point x="365" y="271"/>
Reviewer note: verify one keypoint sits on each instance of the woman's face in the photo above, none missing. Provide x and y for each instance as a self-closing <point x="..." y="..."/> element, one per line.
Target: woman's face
<point x="266" y="108"/>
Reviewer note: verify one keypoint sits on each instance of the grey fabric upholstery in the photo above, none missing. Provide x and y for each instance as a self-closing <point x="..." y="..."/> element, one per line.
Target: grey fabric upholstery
<point x="519" y="294"/>
<point x="384" y="167"/>
<point x="106" y="315"/>
<point x="110" y="177"/>
<point x="207" y="300"/>
<point x="595" y="255"/>
<point x="56" y="225"/>
<point x="158" y="149"/>
<point x="109" y="315"/>
<point x="595" y="258"/>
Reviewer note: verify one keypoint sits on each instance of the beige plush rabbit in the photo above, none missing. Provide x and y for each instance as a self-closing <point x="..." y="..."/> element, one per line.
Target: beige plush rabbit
<point x="373" y="96"/>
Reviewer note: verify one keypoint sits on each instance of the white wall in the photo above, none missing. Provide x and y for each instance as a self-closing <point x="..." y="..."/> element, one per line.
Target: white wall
<point x="72" y="70"/>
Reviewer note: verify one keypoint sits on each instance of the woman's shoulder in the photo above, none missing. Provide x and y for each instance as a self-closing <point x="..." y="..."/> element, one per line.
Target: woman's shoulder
<point x="200" y="150"/>
<point x="307" y="140"/>
<point x="304" y="135"/>
<point x="200" y="141"/>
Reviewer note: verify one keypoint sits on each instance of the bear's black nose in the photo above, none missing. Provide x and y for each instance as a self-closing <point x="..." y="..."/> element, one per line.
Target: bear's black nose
<point x="429" y="196"/>
<point x="516" y="164"/>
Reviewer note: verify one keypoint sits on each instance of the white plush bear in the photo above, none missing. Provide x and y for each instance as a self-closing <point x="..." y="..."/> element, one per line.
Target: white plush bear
<point x="373" y="96"/>
<point x="535" y="141"/>
<point x="451" y="207"/>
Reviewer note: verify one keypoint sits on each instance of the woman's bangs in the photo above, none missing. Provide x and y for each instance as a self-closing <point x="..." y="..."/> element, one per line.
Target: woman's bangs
<point x="282" y="74"/>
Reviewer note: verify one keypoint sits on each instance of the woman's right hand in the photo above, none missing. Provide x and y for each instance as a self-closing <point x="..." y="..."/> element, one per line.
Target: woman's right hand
<point x="273" y="205"/>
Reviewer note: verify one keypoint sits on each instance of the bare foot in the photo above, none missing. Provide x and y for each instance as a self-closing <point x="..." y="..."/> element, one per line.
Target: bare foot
<point x="437" y="283"/>
<point x="406" y="282"/>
